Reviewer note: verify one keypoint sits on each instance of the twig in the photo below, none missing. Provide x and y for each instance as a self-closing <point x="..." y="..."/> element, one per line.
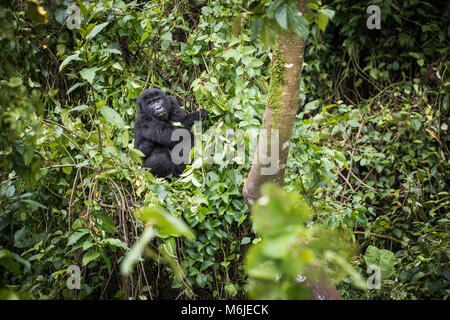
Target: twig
<point x="362" y="182"/>
<point x="50" y="167"/>
<point x="354" y="150"/>
<point x="346" y="181"/>
<point x="382" y="236"/>
<point x="242" y="8"/>
<point x="71" y="196"/>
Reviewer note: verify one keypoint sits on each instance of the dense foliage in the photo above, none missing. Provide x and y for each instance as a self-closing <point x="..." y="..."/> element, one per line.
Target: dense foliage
<point x="369" y="151"/>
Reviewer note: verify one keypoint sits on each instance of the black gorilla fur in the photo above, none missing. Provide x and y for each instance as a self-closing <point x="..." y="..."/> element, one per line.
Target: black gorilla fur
<point x="153" y="130"/>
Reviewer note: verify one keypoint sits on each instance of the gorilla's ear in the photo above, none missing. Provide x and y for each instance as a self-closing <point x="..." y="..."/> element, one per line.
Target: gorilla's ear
<point x="176" y="113"/>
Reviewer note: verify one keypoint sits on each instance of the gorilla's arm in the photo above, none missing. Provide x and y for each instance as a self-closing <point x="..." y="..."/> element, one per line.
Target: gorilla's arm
<point x="177" y="114"/>
<point x="188" y="120"/>
<point x="143" y="134"/>
<point x="146" y="147"/>
<point x="160" y="133"/>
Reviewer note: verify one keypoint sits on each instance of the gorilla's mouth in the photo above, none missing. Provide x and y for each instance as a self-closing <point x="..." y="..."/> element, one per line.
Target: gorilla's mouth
<point x="160" y="115"/>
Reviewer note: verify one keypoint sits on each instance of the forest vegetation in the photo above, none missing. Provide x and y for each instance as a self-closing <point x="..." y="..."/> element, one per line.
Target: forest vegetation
<point x="366" y="179"/>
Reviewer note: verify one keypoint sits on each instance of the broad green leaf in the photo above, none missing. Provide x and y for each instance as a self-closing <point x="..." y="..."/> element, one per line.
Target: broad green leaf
<point x="313" y="6"/>
<point x="96" y="30"/>
<point x="166" y="222"/>
<point x="167" y="36"/>
<point x="313" y="105"/>
<point x="298" y="24"/>
<point x="374" y="73"/>
<point x="281" y="16"/>
<point x="77" y="235"/>
<point x="112" y="116"/>
<point x="117" y="66"/>
<point x="205" y="265"/>
<point x="116" y="243"/>
<point x="66" y="61"/>
<point x="89" y="74"/>
<point x="322" y="21"/>
<point x="34" y="204"/>
<point x="272" y="9"/>
<point x="136" y="155"/>
<point x="90" y="256"/>
<point x="328" y="12"/>
<point x="381" y="258"/>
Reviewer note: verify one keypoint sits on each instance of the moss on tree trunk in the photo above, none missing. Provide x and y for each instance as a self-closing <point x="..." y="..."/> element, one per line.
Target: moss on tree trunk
<point x="280" y="113"/>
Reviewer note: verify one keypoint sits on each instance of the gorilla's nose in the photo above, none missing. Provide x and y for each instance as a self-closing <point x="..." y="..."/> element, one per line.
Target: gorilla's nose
<point x="158" y="108"/>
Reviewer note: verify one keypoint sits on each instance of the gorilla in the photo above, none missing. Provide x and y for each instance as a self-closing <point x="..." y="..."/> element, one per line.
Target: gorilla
<point x="155" y="135"/>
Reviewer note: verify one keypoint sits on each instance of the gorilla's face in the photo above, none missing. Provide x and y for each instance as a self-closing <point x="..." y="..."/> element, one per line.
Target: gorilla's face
<point x="154" y="103"/>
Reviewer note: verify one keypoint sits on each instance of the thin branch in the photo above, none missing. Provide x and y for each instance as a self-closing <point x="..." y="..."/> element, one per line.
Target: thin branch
<point x="382" y="236"/>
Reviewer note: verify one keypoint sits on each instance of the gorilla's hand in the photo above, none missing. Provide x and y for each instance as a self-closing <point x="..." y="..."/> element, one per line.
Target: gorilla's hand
<point x="189" y="120"/>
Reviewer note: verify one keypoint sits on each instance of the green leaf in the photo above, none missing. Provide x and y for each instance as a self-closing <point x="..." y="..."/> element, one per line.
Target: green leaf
<point x="328" y="12"/>
<point x="273" y="7"/>
<point x="313" y="105"/>
<point x="416" y="123"/>
<point x="89" y="74"/>
<point x="33" y="204"/>
<point x="205" y="265"/>
<point x="313" y="6"/>
<point x="117" y="66"/>
<point x="66" y="61"/>
<point x="167" y="36"/>
<point x="135" y="253"/>
<point x="90" y="256"/>
<point x="9" y="193"/>
<point x="136" y="155"/>
<point x="77" y="235"/>
<point x="15" y="82"/>
<point x="67" y="170"/>
<point x="383" y="259"/>
<point x="112" y="116"/>
<point x="166" y="222"/>
<point x="201" y="279"/>
<point x="374" y="73"/>
<point x="116" y="243"/>
<point x="300" y="26"/>
<point x="107" y="260"/>
<point x="76" y="85"/>
<point x="96" y="30"/>
<point x="281" y="16"/>
<point x="322" y="21"/>
<point x="87" y="244"/>
<point x="111" y="50"/>
<point x="79" y="108"/>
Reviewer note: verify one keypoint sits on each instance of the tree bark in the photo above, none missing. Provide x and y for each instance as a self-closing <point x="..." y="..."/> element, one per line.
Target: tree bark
<point x="279" y="116"/>
<point x="279" y="119"/>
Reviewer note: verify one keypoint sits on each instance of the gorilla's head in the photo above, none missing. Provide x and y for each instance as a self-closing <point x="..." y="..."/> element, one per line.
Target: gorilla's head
<point x="154" y="103"/>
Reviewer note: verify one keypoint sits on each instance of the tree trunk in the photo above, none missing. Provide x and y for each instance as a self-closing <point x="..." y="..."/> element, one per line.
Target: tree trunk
<point x="279" y="115"/>
<point x="279" y="118"/>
